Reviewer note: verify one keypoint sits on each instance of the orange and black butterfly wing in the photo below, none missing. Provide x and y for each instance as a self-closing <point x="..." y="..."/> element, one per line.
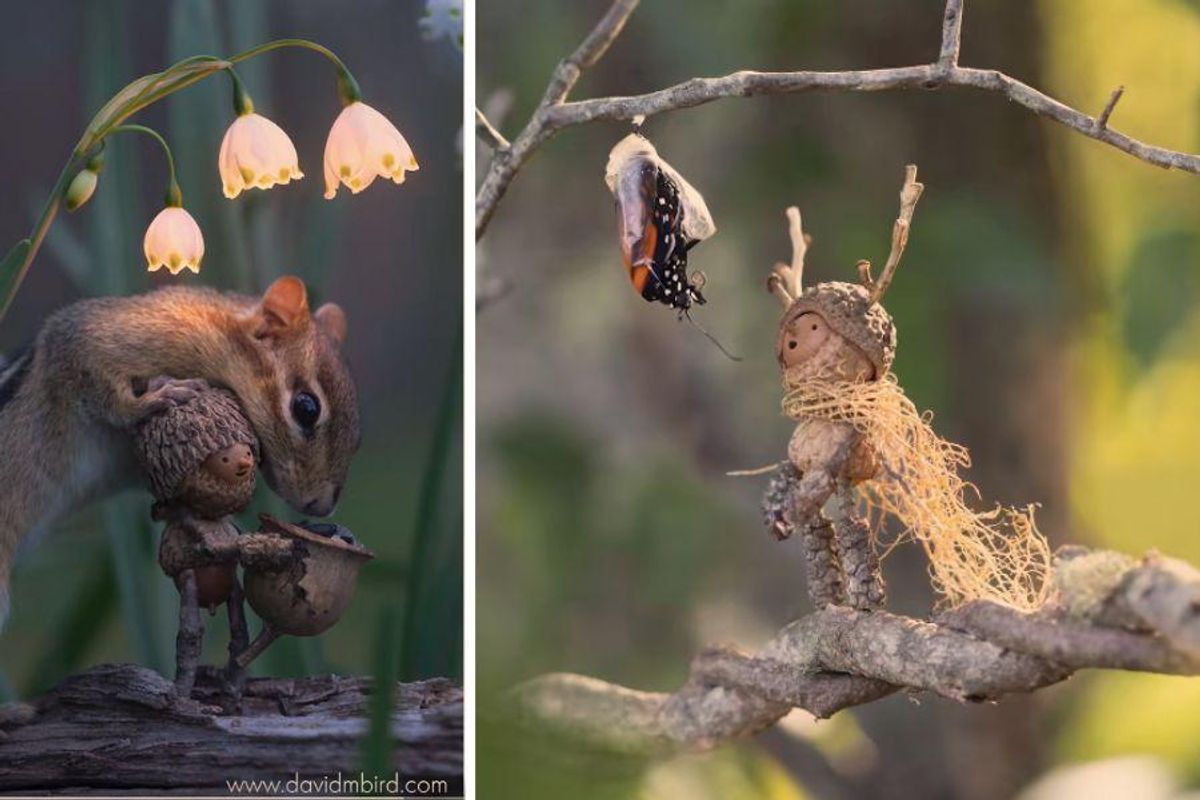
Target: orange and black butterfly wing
<point x="650" y="220"/>
<point x="638" y="234"/>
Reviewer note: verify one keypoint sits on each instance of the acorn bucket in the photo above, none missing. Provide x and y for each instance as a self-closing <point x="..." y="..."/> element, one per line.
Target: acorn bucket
<point x="307" y="596"/>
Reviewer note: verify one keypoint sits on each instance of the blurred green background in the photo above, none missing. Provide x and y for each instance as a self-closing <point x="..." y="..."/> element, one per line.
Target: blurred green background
<point x="1048" y="310"/>
<point x="91" y="590"/>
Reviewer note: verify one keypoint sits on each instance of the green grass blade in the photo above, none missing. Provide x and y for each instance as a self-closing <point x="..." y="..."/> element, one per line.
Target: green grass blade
<point x="115" y="216"/>
<point x="77" y="630"/>
<point x="378" y="744"/>
<point x="434" y="588"/>
<point x="10" y="267"/>
<point x="136" y="568"/>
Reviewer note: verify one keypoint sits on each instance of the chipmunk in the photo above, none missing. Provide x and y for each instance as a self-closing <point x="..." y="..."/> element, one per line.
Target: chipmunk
<point x="99" y="366"/>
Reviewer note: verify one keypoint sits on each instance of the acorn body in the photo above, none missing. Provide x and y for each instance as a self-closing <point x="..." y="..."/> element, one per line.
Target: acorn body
<point x="824" y="444"/>
<point x="214" y="585"/>
<point x="209" y="548"/>
<point x="307" y="596"/>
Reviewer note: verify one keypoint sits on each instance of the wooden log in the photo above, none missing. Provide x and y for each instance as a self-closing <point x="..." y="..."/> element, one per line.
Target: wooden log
<point x="123" y="727"/>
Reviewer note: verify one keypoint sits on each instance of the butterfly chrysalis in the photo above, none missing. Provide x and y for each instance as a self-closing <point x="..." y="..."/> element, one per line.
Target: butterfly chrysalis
<point x="660" y="218"/>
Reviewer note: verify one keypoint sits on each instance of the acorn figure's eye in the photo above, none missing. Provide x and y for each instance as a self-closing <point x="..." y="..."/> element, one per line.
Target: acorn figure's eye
<point x="306" y="409"/>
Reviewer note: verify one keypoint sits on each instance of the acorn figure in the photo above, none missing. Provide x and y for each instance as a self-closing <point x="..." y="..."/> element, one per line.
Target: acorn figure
<point x="200" y="458"/>
<point x="860" y="444"/>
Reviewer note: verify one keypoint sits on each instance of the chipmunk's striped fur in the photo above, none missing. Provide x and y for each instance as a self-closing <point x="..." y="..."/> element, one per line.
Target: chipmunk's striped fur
<point x="99" y="366"/>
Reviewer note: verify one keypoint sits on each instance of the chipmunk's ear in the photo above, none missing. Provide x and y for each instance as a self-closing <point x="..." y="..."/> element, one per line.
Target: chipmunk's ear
<point x="284" y="307"/>
<point x="331" y="319"/>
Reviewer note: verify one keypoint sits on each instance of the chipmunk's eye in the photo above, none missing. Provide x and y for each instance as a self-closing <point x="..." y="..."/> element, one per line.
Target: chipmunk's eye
<point x="306" y="409"/>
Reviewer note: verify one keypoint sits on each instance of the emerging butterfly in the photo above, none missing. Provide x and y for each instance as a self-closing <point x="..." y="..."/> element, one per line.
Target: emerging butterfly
<point x="660" y="218"/>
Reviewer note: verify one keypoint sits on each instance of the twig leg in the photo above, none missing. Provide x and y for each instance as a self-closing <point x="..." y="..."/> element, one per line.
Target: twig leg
<point x="822" y="566"/>
<point x="266" y="637"/>
<point x="860" y="562"/>
<point x="190" y="639"/>
<point x="239" y="640"/>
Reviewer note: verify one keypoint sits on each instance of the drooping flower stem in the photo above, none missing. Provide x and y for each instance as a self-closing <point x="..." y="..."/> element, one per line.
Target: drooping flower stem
<point x="17" y="261"/>
<point x="174" y="195"/>
<point x="131" y="99"/>
<point x="347" y="86"/>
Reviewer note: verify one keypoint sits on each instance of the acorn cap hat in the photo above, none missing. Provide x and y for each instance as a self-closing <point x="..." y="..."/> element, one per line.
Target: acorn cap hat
<point x="850" y="312"/>
<point x="173" y="444"/>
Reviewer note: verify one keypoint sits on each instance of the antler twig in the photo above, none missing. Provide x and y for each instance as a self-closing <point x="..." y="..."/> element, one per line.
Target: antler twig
<point x="910" y="193"/>
<point x="787" y="281"/>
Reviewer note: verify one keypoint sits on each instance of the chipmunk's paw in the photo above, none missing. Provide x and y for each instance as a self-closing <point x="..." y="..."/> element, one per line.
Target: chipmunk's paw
<point x="163" y="393"/>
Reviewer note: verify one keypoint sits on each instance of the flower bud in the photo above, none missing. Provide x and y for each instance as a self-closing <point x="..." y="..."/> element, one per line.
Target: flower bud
<point x="81" y="188"/>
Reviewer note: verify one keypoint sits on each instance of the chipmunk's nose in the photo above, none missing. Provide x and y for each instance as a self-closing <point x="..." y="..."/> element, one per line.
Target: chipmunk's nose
<point x="324" y="505"/>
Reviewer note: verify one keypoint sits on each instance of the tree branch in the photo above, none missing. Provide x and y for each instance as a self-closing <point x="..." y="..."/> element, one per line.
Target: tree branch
<point x="837" y="657"/>
<point x="555" y="113"/>
<point x="505" y="164"/>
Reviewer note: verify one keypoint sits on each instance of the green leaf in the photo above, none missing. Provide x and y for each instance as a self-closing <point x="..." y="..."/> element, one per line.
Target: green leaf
<point x="148" y="89"/>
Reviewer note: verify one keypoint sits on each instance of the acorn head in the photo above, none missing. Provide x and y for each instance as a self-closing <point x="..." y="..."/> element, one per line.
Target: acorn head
<point x="846" y="311"/>
<point x="200" y="455"/>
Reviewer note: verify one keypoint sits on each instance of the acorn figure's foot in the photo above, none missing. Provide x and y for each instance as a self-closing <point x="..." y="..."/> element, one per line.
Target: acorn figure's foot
<point x="822" y="567"/>
<point x="864" y="591"/>
<point x="233" y="684"/>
